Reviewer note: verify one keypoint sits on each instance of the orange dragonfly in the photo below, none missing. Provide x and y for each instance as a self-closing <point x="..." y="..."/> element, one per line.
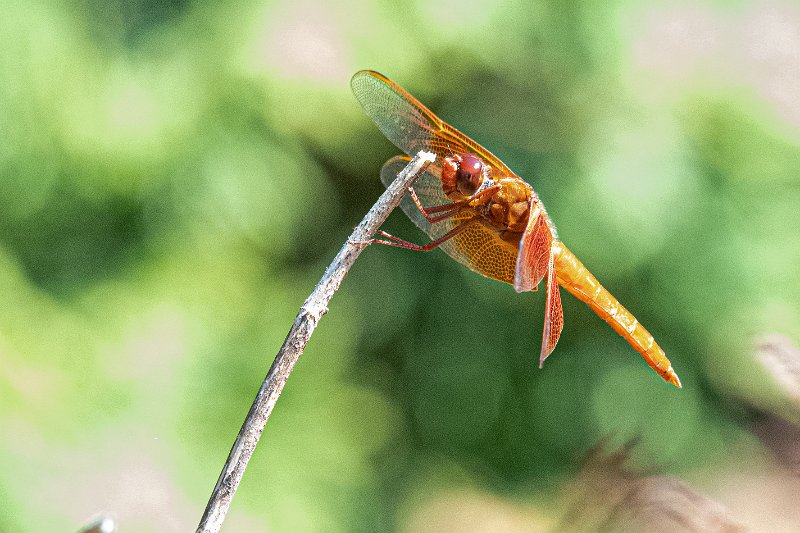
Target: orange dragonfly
<point x="486" y="217"/>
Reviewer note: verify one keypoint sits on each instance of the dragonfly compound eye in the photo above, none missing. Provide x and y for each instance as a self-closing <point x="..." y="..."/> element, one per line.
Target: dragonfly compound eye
<point x="470" y="174"/>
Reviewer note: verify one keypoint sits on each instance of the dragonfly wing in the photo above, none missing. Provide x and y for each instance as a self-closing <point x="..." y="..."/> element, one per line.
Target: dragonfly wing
<point x="401" y="118"/>
<point x="483" y="251"/>
<point x="553" y="314"/>
<point x="535" y="250"/>
<point x="428" y="188"/>
<point x="478" y="248"/>
<point x="411" y="126"/>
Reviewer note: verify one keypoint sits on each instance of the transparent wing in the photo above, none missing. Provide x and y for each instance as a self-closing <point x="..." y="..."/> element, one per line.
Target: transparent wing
<point x="428" y="188"/>
<point x="478" y="248"/>
<point x="410" y="125"/>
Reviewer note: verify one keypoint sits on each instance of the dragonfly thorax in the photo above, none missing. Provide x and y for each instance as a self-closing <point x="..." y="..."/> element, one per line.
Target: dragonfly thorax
<point x="509" y="208"/>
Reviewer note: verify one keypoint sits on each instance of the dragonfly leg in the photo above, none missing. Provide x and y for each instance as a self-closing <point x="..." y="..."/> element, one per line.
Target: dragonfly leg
<point x="480" y="195"/>
<point x="445" y="216"/>
<point x="448" y="209"/>
<point x="401" y="243"/>
<point x="452" y="208"/>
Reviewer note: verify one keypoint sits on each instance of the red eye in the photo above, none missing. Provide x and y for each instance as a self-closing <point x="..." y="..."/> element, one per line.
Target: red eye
<point x="470" y="174"/>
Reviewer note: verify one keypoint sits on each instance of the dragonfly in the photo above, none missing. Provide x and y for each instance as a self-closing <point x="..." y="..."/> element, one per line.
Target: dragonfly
<point x="489" y="219"/>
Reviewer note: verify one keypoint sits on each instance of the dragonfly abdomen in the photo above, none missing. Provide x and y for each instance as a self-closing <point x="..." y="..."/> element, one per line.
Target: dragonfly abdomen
<point x="577" y="279"/>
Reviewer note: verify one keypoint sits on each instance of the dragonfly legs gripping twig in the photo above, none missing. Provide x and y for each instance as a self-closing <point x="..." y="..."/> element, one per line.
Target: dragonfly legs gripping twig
<point x="447" y="210"/>
<point x="401" y="243"/>
<point x="451" y="209"/>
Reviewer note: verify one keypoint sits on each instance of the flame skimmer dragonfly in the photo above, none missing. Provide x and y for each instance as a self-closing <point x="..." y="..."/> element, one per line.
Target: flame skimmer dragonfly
<point x="486" y="217"/>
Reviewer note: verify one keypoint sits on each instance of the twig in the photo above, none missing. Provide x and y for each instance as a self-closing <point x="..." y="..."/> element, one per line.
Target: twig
<point x="312" y="310"/>
<point x="101" y="524"/>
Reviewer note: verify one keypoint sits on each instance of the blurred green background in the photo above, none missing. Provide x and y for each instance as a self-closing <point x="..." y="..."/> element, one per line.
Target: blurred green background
<point x="176" y="175"/>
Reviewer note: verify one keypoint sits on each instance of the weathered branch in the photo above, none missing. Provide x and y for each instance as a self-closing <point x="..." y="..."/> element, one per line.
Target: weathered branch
<point x="312" y="310"/>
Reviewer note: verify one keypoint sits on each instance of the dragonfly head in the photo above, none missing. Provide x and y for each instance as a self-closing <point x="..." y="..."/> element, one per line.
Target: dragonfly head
<point x="465" y="173"/>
